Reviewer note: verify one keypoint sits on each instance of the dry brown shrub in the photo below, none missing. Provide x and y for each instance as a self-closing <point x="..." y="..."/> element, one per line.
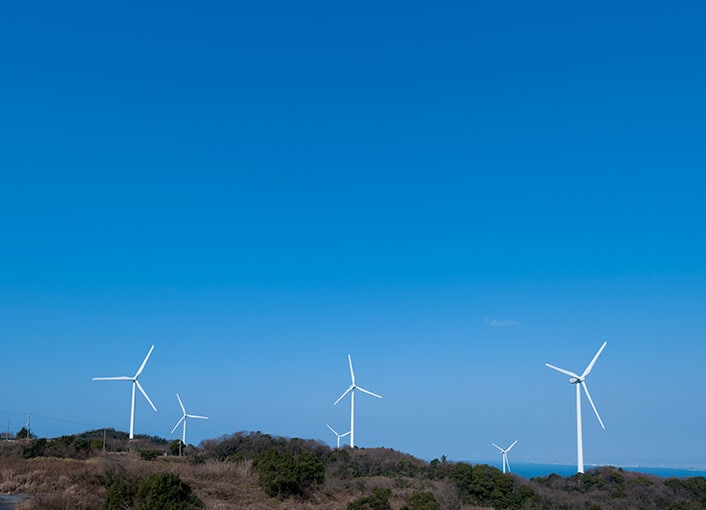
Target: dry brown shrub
<point x="8" y="487"/>
<point x="6" y="473"/>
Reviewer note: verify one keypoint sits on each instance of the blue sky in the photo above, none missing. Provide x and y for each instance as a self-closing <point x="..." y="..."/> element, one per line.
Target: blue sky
<point x="455" y="194"/>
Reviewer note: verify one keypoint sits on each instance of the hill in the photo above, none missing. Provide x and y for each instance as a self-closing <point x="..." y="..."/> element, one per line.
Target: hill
<point x="258" y="471"/>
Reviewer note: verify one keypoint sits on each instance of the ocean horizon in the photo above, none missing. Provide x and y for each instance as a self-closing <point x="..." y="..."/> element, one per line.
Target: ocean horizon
<point x="535" y="469"/>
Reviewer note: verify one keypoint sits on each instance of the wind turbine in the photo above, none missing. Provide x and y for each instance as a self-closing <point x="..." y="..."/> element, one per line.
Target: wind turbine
<point x="338" y="436"/>
<point x="579" y="381"/>
<point x="135" y="383"/>
<point x="183" y="419"/>
<point x="351" y="389"/>
<point x="504" y="452"/>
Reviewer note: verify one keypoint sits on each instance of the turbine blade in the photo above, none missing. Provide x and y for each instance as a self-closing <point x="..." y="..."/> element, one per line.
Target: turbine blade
<point x="331" y="429"/>
<point x="344" y="394"/>
<point x="183" y="410"/>
<point x="510" y="447"/>
<point x="350" y="364"/>
<point x="585" y="389"/>
<point x="142" y="367"/>
<point x="496" y="446"/>
<point x="346" y="434"/>
<point x="178" y="423"/>
<point x="565" y="372"/>
<point x="120" y="378"/>
<point x="196" y="416"/>
<point x="507" y="461"/>
<point x="593" y="361"/>
<point x="368" y="392"/>
<point x="139" y="386"/>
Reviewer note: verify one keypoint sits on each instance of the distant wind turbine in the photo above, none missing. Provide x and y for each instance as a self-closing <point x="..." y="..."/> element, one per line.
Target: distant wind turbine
<point x="351" y="389"/>
<point x="338" y="436"/>
<point x="580" y="380"/>
<point x="183" y="418"/>
<point x="135" y="382"/>
<point x="504" y="453"/>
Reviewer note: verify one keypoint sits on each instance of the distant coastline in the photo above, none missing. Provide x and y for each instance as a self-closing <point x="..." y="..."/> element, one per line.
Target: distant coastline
<point x="535" y="469"/>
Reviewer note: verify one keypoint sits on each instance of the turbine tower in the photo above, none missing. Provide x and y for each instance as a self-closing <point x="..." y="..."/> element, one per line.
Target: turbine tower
<point x="338" y="436"/>
<point x="580" y="381"/>
<point x="135" y="383"/>
<point x="504" y="452"/>
<point x="183" y="418"/>
<point x="351" y="389"/>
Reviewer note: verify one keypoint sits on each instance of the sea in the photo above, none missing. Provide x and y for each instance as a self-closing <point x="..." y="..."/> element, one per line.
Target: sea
<point x="532" y="469"/>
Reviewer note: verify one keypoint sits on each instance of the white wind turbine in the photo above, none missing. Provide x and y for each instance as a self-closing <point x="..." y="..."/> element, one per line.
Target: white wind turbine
<point x="580" y="380"/>
<point x="338" y="436"/>
<point x="135" y="382"/>
<point x="504" y="452"/>
<point x="183" y="418"/>
<point x="351" y="389"/>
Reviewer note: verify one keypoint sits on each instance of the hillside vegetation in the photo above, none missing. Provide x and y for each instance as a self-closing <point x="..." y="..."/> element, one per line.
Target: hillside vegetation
<point x="259" y="471"/>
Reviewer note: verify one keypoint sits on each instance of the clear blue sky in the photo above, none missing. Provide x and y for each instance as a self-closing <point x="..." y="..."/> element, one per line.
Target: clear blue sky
<point x="455" y="194"/>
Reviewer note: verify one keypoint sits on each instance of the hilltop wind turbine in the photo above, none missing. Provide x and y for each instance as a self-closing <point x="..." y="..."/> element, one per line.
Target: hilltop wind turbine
<point x="580" y="380"/>
<point x="135" y="382"/>
<point x="338" y="436"/>
<point x="183" y="418"/>
<point x="351" y="389"/>
<point x="504" y="452"/>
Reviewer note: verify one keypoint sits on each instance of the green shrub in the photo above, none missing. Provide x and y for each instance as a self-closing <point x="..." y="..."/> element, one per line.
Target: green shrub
<point x="176" y="447"/>
<point x="121" y="494"/>
<point x="165" y="490"/>
<point x="148" y="454"/>
<point x="159" y="491"/>
<point x="421" y="501"/>
<point x="35" y="448"/>
<point x="282" y="474"/>
<point x="378" y="500"/>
